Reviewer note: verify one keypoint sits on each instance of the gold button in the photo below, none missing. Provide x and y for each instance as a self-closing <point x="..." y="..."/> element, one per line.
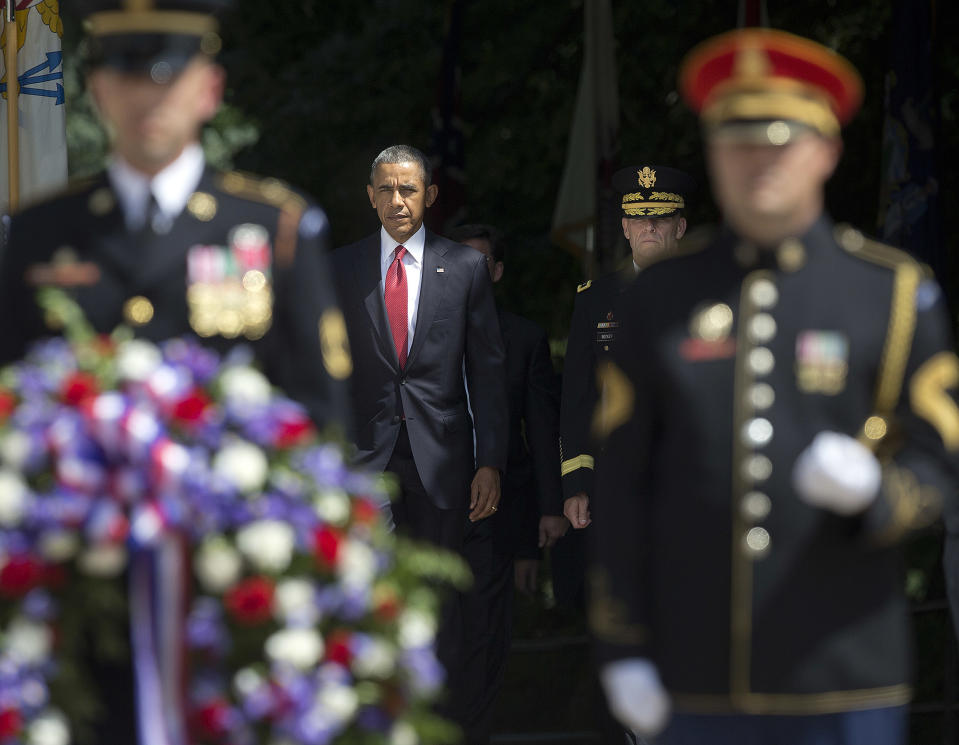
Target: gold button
<point x="712" y="323"/>
<point x="875" y="428"/>
<point x="755" y="506"/>
<point x="761" y="396"/>
<point x="762" y="328"/>
<point x="763" y="293"/>
<point x="202" y="206"/>
<point x="791" y="255"/>
<point x="757" y="542"/>
<point x="138" y="311"/>
<point x="254" y="280"/>
<point x="852" y="240"/>
<point x="761" y="361"/>
<point x="757" y="432"/>
<point x="757" y="468"/>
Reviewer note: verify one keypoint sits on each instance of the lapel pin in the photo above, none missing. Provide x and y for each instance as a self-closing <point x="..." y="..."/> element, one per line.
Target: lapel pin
<point x="440" y="270"/>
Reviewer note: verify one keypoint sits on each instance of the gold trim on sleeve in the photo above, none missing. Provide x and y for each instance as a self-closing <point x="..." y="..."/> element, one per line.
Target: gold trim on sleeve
<point x="574" y="464"/>
<point x="930" y="400"/>
<point x="829" y="702"/>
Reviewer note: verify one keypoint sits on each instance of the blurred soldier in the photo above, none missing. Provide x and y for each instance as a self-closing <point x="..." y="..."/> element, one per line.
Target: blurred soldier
<point x="529" y="517"/>
<point x="169" y="246"/>
<point x="780" y="412"/>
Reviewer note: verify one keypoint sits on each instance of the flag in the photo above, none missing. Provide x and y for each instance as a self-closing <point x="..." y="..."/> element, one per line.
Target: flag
<point x="908" y="200"/>
<point x="43" y="139"/>
<point x="590" y="155"/>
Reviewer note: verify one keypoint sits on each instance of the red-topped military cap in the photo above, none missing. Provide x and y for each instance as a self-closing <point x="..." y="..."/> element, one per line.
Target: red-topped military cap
<point x="764" y="75"/>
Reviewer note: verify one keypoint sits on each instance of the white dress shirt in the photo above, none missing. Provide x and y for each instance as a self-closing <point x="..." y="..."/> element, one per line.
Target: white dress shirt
<point x="412" y="265"/>
<point x="171" y="187"/>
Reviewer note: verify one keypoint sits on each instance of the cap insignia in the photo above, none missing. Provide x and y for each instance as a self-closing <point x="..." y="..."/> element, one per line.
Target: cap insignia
<point x="647" y="177"/>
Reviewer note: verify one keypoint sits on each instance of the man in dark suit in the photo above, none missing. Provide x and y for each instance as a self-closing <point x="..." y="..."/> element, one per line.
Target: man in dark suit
<point x="781" y="412"/>
<point x="505" y="549"/>
<point x="429" y="385"/>
<point x="170" y="247"/>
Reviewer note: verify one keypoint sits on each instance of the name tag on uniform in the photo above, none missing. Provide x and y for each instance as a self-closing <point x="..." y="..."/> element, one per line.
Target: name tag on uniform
<point x="822" y="361"/>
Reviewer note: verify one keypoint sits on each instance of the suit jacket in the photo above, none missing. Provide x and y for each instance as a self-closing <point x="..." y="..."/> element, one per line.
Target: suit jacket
<point x="181" y="282"/>
<point x="456" y="347"/>
<point x="531" y="485"/>
<point x="733" y="360"/>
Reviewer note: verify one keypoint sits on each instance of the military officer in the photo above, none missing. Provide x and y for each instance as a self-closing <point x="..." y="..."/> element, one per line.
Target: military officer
<point x="780" y="412"/>
<point x="169" y="246"/>
<point x="653" y="203"/>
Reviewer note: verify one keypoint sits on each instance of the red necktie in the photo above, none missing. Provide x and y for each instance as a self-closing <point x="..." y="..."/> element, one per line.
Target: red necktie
<point x="396" y="297"/>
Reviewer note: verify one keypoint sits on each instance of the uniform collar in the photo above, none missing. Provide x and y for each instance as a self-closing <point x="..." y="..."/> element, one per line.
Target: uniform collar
<point x="171" y="187"/>
<point x="790" y="255"/>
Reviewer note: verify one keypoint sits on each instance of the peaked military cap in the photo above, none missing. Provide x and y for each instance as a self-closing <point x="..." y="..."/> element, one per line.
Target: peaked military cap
<point x="155" y="37"/>
<point x="652" y="191"/>
<point x="763" y="85"/>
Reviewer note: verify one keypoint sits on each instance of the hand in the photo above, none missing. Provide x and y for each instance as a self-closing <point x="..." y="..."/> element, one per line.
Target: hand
<point x="636" y="696"/>
<point x="484" y="493"/>
<point x="576" y="509"/>
<point x="526" y="575"/>
<point x="837" y="473"/>
<point x="551" y="529"/>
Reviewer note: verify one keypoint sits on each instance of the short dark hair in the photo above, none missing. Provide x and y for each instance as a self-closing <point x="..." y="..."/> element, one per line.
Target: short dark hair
<point x="497" y="247"/>
<point x="403" y="154"/>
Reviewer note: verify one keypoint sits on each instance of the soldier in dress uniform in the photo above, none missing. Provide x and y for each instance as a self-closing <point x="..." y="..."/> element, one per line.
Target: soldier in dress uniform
<point x="169" y="246"/>
<point x="780" y="411"/>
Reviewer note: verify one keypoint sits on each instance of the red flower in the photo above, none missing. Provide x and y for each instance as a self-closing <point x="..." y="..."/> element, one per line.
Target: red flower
<point x="8" y="402"/>
<point x="294" y="430"/>
<point x="212" y="719"/>
<point x="10" y="723"/>
<point x="387" y="608"/>
<point x="364" y="511"/>
<point x="20" y="575"/>
<point x="326" y="545"/>
<point x="191" y="408"/>
<point x="338" y="648"/>
<point x="251" y="601"/>
<point x="79" y="388"/>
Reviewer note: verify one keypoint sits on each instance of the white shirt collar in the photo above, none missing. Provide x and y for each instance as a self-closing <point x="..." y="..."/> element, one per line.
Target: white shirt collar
<point x="171" y="187"/>
<point x="415" y="246"/>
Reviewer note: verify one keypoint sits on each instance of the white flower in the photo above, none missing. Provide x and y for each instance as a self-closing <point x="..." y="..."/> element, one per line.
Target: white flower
<point x="244" y="386"/>
<point x="247" y="681"/>
<point x="59" y="545"/>
<point x="217" y="564"/>
<point x="417" y="628"/>
<point x="49" y="728"/>
<point x="267" y="544"/>
<point x="356" y="564"/>
<point x="403" y="733"/>
<point x="339" y="701"/>
<point x="294" y="601"/>
<point x="243" y="465"/>
<point x="105" y="560"/>
<point x="15" y="449"/>
<point x="14" y="498"/>
<point x="28" y="642"/>
<point x="376" y="659"/>
<point x="301" y="648"/>
<point x="333" y="507"/>
<point x="136" y="360"/>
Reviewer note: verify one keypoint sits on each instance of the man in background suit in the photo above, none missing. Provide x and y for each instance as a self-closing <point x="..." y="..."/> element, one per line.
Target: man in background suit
<point x="530" y="517"/>
<point x="429" y="385"/>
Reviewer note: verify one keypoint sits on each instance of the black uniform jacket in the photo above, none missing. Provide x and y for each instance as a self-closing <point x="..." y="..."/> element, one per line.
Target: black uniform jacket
<point x="456" y="346"/>
<point x="244" y="262"/>
<point x="706" y="560"/>
<point x="531" y="483"/>
<point x="592" y="332"/>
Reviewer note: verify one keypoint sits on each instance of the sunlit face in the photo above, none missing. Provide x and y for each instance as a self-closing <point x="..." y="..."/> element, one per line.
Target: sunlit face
<point x="400" y="197"/>
<point x="483" y="246"/>
<point x="759" y="184"/>
<point x="151" y="123"/>
<point x="650" y="237"/>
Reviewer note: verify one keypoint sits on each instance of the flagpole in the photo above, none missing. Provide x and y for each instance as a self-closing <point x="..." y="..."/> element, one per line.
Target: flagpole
<point x="13" y="95"/>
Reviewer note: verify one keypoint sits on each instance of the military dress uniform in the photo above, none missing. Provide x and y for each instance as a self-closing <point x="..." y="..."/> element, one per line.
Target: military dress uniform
<point x="244" y="262"/>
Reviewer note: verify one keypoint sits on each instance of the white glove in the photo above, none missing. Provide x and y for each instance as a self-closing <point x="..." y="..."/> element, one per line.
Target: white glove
<point x="636" y="696"/>
<point x="837" y="473"/>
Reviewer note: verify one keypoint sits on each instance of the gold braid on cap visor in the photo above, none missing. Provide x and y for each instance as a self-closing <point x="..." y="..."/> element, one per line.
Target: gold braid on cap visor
<point x="731" y="103"/>
<point x="109" y="22"/>
<point x="658" y="203"/>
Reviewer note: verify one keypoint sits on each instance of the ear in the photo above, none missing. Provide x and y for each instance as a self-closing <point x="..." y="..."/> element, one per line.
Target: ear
<point x="431" y="191"/>
<point x="834" y="153"/>
<point x="626" y="228"/>
<point x="498" y="269"/>
<point x="369" y="192"/>
<point x="680" y="228"/>
<point x="216" y="84"/>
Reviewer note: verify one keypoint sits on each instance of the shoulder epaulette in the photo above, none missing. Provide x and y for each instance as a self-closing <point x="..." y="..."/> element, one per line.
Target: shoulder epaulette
<point x="855" y="243"/>
<point x="585" y="286"/>
<point x="258" y="189"/>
